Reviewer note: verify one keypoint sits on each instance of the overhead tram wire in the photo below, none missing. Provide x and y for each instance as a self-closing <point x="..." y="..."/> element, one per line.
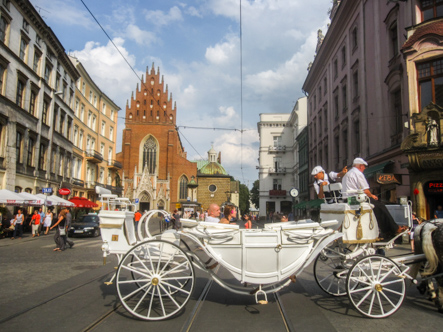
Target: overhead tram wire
<point x="241" y="97"/>
<point x="118" y="50"/>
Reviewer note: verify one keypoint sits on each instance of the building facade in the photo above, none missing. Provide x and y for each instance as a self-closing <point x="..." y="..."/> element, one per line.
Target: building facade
<point x="155" y="168"/>
<point x="279" y="163"/>
<point x="94" y="139"/>
<point x="37" y="84"/>
<point x="359" y="88"/>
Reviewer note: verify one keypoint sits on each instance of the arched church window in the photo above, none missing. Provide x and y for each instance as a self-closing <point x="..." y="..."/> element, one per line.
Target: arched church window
<point x="150" y="155"/>
<point x="183" y="187"/>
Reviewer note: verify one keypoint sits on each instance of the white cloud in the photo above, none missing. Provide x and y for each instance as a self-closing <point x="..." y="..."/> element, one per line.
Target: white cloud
<point x="141" y="37"/>
<point x="159" y="18"/>
<point x="220" y="53"/>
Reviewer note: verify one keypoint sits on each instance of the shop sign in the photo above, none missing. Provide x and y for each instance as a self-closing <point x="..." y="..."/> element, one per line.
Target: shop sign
<point x="388" y="178"/>
<point x="64" y="191"/>
<point x="435" y="187"/>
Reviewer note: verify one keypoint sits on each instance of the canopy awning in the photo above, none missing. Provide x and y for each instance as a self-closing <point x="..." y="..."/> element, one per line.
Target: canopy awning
<point x="315" y="203"/>
<point x="54" y="200"/>
<point x="82" y="202"/>
<point x="31" y="199"/>
<point x="300" y="205"/>
<point x="371" y="171"/>
<point x="8" y="197"/>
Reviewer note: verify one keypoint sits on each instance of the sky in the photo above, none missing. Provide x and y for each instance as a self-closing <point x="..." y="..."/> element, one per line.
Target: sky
<point x="217" y="79"/>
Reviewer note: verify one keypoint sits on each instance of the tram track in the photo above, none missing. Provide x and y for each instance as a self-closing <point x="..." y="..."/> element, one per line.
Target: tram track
<point x="51" y="299"/>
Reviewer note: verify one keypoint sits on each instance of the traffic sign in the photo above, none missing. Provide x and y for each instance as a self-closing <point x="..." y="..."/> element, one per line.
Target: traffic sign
<point x="46" y="190"/>
<point x="136" y="201"/>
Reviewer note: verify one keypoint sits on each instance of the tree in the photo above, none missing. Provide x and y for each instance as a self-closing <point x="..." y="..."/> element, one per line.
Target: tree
<point x="244" y="198"/>
<point x="255" y="194"/>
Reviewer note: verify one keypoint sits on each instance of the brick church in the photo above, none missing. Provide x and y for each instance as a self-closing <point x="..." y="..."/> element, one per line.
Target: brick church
<point x="155" y="167"/>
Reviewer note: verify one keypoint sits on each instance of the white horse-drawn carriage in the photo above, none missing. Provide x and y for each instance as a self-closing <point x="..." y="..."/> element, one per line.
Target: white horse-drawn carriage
<point x="155" y="276"/>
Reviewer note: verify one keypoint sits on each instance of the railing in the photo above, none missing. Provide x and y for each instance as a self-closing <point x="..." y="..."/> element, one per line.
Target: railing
<point x="277" y="149"/>
<point x="78" y="182"/>
<point x="93" y="156"/>
<point x="280" y="170"/>
<point x="114" y="164"/>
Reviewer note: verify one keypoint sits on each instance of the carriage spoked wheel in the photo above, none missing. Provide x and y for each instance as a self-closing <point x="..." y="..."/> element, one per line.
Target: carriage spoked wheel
<point x="330" y="268"/>
<point x="375" y="286"/>
<point x="155" y="280"/>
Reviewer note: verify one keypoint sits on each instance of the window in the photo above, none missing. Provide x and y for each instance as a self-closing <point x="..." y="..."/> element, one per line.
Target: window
<point x="2" y="76"/>
<point x="325" y="85"/>
<point x="110" y="154"/>
<point x="47" y="73"/>
<point x="150" y="155"/>
<point x="104" y="108"/>
<point x="397" y="113"/>
<point x="18" y="147"/>
<point x="95" y="101"/>
<point x="80" y="139"/>
<point x="89" y="119"/>
<point x="277" y="141"/>
<point x="30" y="161"/>
<point x="183" y="188"/>
<point x="355" y="91"/>
<point x="336" y="103"/>
<point x="90" y="97"/>
<point x="430" y="82"/>
<point x="112" y="115"/>
<point x="94" y="120"/>
<point x="276" y="184"/>
<point x="42" y="157"/>
<point x="343" y="56"/>
<point x="76" y="136"/>
<point x="77" y="107"/>
<point x="32" y="103"/>
<point x="102" y="149"/>
<point x="62" y="122"/>
<point x="103" y="128"/>
<point x="4" y="27"/>
<point x="277" y="163"/>
<point x="111" y="133"/>
<point x="356" y="137"/>
<point x="68" y="128"/>
<point x="83" y="88"/>
<point x="344" y="90"/>
<point x="45" y="111"/>
<point x="319" y="93"/>
<point x="20" y="92"/>
<point x="335" y="68"/>
<point x="102" y="175"/>
<point x="354" y="38"/>
<point x="82" y="113"/>
<point x="25" y="25"/>
<point x="394" y="39"/>
<point x="431" y="9"/>
<point x="36" y="64"/>
<point x="23" y="48"/>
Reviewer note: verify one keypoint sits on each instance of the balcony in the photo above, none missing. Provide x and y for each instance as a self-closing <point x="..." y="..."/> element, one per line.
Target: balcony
<point x="280" y="170"/>
<point x="114" y="164"/>
<point x="114" y="189"/>
<point x="93" y="156"/>
<point x="277" y="193"/>
<point x="277" y="149"/>
<point x="78" y="182"/>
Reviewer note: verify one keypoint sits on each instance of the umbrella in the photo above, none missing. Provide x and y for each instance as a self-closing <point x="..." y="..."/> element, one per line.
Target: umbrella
<point x="31" y="199"/>
<point x="82" y="202"/>
<point x="10" y="198"/>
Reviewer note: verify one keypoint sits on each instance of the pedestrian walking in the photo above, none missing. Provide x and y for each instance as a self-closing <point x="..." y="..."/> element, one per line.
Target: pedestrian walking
<point x="68" y="225"/>
<point x="60" y="233"/>
<point x="35" y="223"/>
<point x="47" y="221"/>
<point x="18" y="221"/>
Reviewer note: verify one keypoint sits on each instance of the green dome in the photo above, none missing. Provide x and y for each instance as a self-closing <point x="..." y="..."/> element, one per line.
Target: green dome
<point x="213" y="168"/>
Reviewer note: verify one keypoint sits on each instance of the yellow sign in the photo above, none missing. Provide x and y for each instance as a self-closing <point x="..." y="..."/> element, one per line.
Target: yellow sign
<point x="178" y="205"/>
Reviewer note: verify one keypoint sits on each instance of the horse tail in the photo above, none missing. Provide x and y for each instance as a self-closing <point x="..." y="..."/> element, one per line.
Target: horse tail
<point x="428" y="249"/>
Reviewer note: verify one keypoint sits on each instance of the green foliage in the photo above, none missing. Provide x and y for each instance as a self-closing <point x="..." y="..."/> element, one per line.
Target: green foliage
<point x="255" y="194"/>
<point x="243" y="198"/>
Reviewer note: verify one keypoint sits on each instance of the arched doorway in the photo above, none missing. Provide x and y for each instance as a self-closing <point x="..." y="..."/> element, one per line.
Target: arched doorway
<point x="144" y="201"/>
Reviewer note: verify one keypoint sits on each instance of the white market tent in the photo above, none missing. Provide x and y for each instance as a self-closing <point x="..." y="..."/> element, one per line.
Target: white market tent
<point x="54" y="200"/>
<point x="8" y="197"/>
<point x="31" y="199"/>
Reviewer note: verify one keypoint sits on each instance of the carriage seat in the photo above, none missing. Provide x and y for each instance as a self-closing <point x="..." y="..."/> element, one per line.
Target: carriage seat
<point x="215" y="233"/>
<point x="334" y="190"/>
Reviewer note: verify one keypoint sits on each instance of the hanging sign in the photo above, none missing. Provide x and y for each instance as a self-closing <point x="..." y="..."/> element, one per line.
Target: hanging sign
<point x="64" y="191"/>
<point x="388" y="178"/>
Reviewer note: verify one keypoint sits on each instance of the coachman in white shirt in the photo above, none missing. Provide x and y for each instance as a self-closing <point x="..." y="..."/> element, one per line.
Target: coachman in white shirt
<point x="355" y="180"/>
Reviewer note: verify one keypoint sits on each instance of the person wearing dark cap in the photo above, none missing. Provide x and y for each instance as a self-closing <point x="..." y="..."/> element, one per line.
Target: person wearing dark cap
<point x="355" y="180"/>
<point x="321" y="178"/>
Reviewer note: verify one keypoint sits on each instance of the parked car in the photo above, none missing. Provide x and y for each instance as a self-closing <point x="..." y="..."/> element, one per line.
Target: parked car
<point x="88" y="225"/>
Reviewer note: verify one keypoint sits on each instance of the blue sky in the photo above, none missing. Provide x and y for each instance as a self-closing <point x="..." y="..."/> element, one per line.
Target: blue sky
<point x="196" y="44"/>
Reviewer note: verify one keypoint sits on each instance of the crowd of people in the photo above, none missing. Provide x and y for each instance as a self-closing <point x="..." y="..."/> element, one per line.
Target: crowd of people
<point x="40" y="223"/>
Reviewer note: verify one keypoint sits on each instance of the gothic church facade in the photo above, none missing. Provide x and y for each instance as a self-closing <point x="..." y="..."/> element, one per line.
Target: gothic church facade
<point x="155" y="166"/>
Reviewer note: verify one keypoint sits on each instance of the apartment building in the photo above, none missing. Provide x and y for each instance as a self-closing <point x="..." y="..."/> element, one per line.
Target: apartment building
<point x="279" y="164"/>
<point x="37" y="84"/>
<point x="94" y="138"/>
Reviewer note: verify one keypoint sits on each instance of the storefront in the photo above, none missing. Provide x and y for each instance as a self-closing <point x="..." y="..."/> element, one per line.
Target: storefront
<point x="425" y="153"/>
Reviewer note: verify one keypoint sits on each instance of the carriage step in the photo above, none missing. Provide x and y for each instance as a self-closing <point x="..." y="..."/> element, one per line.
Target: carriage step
<point x="108" y="283"/>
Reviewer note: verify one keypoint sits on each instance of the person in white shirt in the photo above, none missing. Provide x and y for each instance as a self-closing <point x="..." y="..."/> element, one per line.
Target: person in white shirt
<point x="213" y="213"/>
<point x="321" y="178"/>
<point x="355" y="180"/>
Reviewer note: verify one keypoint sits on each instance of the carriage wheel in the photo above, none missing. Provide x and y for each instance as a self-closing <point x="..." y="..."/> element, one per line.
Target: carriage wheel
<point x="375" y="286"/>
<point x="329" y="269"/>
<point x="155" y="280"/>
